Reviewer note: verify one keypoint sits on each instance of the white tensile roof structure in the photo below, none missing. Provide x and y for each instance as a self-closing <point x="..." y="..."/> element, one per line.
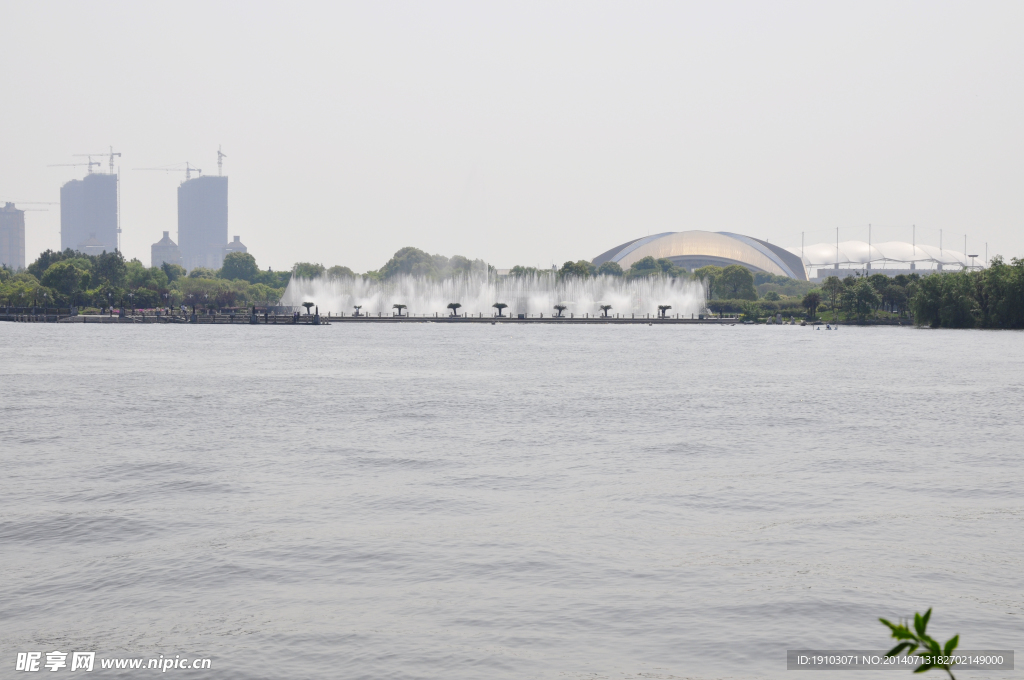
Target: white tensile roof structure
<point x="859" y="253"/>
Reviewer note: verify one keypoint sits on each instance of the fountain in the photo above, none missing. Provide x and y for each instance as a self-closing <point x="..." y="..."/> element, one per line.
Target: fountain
<point x="529" y="295"/>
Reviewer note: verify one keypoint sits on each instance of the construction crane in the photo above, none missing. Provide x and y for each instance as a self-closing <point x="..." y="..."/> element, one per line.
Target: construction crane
<point x="188" y="169"/>
<point x="75" y="165"/>
<point x="111" y="153"/>
<point x="220" y="160"/>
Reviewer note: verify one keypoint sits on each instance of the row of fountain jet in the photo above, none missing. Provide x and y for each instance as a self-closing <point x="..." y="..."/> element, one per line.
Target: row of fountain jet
<point x="501" y="306"/>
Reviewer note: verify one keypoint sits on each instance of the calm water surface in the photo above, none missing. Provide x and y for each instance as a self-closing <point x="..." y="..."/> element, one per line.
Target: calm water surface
<point x="436" y="501"/>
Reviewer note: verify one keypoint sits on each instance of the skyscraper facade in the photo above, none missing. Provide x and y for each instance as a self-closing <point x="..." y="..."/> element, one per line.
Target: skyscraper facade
<point x="12" y="237"/>
<point x="88" y="210"/>
<point x="203" y="221"/>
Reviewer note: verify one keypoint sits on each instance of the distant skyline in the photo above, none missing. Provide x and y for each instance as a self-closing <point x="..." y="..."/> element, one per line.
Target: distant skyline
<point x="525" y="133"/>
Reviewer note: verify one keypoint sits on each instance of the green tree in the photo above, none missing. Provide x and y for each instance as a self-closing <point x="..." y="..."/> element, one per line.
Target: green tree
<point x="308" y="270"/>
<point x="610" y="268"/>
<point x="948" y="300"/>
<point x="669" y="269"/>
<point x="662" y="309"/>
<point x="736" y="283"/>
<point x="240" y="266"/>
<point x="560" y="309"/>
<point x="832" y="287"/>
<point x="44" y="261"/>
<point x="454" y="306"/>
<point x="604" y="310"/>
<point x="499" y="306"/>
<point x="520" y="270"/>
<point x="579" y="269"/>
<point x="307" y="305"/>
<point x="67" y="278"/>
<point x="413" y="262"/>
<point x="202" y="273"/>
<point x="399" y="307"/>
<point x="339" y="272"/>
<point x="110" y="269"/>
<point x="645" y="266"/>
<point x="909" y="641"/>
<point x="141" y="276"/>
<point x="772" y="296"/>
<point x="710" y="275"/>
<point x="865" y="298"/>
<point x="460" y="265"/>
<point x="811" y="302"/>
<point x="173" y="271"/>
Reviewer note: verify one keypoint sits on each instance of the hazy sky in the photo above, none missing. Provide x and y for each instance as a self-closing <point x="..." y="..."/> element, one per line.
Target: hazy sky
<point x="526" y="133"/>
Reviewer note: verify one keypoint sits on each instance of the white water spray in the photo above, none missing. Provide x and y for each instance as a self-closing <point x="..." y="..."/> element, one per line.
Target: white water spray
<point x="531" y="295"/>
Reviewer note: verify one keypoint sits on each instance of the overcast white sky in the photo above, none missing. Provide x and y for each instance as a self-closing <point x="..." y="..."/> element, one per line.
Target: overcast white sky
<point x="526" y="133"/>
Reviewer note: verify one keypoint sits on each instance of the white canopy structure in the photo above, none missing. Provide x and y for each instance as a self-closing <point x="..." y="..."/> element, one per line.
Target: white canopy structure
<point x="853" y="253"/>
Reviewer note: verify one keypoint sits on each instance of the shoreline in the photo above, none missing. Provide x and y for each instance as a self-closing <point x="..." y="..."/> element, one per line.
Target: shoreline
<point x="281" y="320"/>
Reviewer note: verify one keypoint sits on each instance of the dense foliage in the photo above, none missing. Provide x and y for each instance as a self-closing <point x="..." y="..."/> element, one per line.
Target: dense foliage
<point x="987" y="298"/>
<point x="70" y="278"/>
<point x="415" y="262"/>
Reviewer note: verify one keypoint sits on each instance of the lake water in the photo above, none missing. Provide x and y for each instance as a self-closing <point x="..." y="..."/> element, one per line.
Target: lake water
<point x="442" y="501"/>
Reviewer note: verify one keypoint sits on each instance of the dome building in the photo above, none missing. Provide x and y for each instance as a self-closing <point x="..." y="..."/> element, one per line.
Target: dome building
<point x="695" y="249"/>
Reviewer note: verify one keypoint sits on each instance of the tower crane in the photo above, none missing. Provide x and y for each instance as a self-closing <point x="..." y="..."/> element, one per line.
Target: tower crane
<point x="111" y="153"/>
<point x="75" y="165"/>
<point x="220" y="160"/>
<point x="188" y="169"/>
<point x="31" y="203"/>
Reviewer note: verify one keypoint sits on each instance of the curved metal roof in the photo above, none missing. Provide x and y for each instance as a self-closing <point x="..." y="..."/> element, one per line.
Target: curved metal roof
<point x="717" y="247"/>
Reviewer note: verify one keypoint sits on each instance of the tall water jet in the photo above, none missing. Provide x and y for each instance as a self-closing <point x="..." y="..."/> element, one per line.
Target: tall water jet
<point x="531" y="295"/>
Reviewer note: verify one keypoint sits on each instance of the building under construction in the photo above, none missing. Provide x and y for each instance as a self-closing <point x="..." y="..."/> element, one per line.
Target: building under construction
<point x="12" y="237"/>
<point x="88" y="213"/>
<point x="203" y="221"/>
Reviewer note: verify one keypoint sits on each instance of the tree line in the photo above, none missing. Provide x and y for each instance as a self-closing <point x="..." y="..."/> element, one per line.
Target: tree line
<point x="73" y="279"/>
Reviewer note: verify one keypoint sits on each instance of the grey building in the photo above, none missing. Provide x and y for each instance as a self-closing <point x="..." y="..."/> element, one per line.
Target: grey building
<point x="236" y="246"/>
<point x="88" y="210"/>
<point x="92" y="246"/>
<point x="12" y="237"/>
<point x="203" y="221"/>
<point x="165" y="250"/>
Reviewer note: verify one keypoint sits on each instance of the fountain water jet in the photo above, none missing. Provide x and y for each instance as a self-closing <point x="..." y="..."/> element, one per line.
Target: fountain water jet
<point x="531" y="295"/>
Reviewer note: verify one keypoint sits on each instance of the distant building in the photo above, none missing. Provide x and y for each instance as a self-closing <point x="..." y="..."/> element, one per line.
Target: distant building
<point x="92" y="246"/>
<point x="203" y="221"/>
<point x="88" y="210"/>
<point x="12" y="237"/>
<point x="695" y="249"/>
<point x="236" y="246"/>
<point x="165" y="250"/>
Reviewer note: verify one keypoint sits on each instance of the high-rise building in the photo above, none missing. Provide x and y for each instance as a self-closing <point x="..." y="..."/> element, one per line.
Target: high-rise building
<point x="88" y="213"/>
<point x="165" y="250"/>
<point x="12" y="237"/>
<point x="235" y="246"/>
<point x="203" y="221"/>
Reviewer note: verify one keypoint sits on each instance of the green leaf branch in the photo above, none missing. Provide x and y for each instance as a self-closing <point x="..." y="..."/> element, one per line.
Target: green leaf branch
<point x="912" y="640"/>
